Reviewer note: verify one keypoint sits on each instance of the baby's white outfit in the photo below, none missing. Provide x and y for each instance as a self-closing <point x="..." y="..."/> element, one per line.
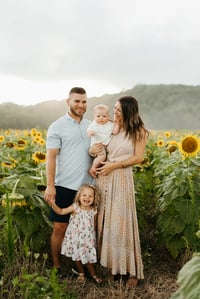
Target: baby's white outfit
<point x="102" y="132"/>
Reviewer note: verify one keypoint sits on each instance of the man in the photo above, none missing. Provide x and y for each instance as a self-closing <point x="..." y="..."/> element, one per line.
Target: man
<point x="67" y="164"/>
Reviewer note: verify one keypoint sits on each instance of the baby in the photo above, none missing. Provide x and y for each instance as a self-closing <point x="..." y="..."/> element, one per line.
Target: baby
<point x="100" y="131"/>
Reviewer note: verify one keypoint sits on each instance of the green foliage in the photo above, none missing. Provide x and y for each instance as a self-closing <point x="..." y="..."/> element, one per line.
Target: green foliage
<point x="29" y="278"/>
<point x="178" y="200"/>
<point x="31" y="286"/>
<point x="146" y="204"/>
<point x="188" y="280"/>
<point x="168" y="206"/>
<point x="23" y="211"/>
<point x="27" y="223"/>
<point x="9" y="233"/>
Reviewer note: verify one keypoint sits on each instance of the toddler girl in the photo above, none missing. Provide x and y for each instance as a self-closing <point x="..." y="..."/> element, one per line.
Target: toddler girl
<point x="79" y="241"/>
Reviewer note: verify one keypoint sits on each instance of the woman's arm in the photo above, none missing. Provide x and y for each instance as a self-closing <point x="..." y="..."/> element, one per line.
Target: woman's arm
<point x="137" y="158"/>
<point x="63" y="211"/>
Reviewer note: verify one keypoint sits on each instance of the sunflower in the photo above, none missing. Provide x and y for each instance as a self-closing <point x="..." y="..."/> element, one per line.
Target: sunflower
<point x="189" y="146"/>
<point x="39" y="141"/>
<point x="14" y="203"/>
<point x="148" y="152"/>
<point x="36" y="139"/>
<point x="42" y="141"/>
<point x="172" y="146"/>
<point x="2" y="138"/>
<point x="33" y="132"/>
<point x="167" y="134"/>
<point x="9" y="164"/>
<point x="39" y="157"/>
<point x="10" y="144"/>
<point x="39" y="133"/>
<point x="21" y="144"/>
<point x="13" y="199"/>
<point x="146" y="161"/>
<point x="160" y="142"/>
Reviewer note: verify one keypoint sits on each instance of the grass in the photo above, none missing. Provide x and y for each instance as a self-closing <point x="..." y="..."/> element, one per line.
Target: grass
<point x="159" y="283"/>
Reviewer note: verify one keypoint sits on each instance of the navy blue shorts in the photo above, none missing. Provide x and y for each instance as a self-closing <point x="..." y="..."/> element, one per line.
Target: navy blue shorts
<point x="64" y="198"/>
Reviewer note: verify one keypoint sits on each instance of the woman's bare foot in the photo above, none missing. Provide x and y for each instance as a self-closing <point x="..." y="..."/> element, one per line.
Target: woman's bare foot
<point x="132" y="281"/>
<point x="111" y="277"/>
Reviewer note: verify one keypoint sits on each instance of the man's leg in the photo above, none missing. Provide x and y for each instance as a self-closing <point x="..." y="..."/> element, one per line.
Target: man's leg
<point x="56" y="242"/>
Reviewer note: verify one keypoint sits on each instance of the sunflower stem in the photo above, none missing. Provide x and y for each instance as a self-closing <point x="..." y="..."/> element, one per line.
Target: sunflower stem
<point x="194" y="207"/>
<point x="15" y="187"/>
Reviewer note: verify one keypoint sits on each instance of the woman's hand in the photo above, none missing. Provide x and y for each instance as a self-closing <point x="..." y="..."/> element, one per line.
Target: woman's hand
<point x="106" y="168"/>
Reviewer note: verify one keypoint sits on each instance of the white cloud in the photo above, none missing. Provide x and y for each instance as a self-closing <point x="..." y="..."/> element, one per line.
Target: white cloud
<point x="24" y="92"/>
<point x="50" y="45"/>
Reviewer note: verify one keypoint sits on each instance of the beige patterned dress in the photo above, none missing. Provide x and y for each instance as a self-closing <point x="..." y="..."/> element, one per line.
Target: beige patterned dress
<point x="118" y="236"/>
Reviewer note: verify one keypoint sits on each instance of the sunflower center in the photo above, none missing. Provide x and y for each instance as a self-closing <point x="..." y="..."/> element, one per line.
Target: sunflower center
<point x="172" y="148"/>
<point x="189" y="145"/>
<point x="40" y="156"/>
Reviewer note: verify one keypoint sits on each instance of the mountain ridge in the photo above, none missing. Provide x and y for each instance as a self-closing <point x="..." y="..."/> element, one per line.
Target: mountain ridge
<point x="162" y="107"/>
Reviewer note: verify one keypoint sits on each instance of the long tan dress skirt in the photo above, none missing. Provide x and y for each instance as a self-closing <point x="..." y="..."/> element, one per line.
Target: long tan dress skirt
<point x="118" y="236"/>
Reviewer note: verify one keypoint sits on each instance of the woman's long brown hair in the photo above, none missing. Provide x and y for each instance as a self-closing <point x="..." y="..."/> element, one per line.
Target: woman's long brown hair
<point x="132" y="122"/>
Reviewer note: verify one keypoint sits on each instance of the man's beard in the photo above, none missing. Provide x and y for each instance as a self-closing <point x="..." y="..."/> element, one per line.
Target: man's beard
<point x="74" y="111"/>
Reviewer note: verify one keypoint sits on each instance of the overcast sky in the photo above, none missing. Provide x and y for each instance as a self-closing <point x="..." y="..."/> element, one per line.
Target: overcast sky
<point x="48" y="46"/>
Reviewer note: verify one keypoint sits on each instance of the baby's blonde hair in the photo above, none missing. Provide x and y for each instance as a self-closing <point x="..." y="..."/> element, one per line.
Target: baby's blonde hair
<point x="101" y="107"/>
<point x="96" y="194"/>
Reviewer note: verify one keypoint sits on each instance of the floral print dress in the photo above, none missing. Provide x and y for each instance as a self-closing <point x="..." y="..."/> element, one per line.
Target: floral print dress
<point x="79" y="241"/>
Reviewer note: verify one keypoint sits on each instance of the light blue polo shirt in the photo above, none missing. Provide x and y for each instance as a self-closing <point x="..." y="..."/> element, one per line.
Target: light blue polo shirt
<point x="73" y="160"/>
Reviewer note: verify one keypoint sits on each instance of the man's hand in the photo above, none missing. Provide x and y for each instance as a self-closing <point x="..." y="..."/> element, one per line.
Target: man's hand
<point x="49" y="194"/>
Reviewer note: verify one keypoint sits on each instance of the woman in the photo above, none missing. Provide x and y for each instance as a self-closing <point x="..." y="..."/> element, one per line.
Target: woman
<point x="118" y="236"/>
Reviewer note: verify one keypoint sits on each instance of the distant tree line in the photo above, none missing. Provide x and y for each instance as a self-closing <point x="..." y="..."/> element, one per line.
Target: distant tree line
<point x="162" y="107"/>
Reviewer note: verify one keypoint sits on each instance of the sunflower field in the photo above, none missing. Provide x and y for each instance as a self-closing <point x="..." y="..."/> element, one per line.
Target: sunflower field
<point x="167" y="186"/>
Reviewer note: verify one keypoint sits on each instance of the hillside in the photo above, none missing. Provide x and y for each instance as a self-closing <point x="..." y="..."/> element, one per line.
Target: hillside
<point x="162" y="107"/>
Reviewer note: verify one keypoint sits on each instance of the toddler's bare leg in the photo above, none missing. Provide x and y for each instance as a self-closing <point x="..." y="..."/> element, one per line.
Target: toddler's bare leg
<point x="81" y="275"/>
<point x="91" y="269"/>
<point x="80" y="267"/>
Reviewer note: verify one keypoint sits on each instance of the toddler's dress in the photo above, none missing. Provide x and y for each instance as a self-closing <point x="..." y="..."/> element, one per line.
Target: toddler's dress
<point x="79" y="241"/>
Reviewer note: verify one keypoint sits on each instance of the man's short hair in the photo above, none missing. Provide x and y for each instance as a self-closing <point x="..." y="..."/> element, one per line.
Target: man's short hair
<point x="79" y="90"/>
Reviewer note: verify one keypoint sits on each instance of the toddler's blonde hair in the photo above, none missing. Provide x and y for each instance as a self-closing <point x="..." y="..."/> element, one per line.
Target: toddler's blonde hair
<point x="96" y="194"/>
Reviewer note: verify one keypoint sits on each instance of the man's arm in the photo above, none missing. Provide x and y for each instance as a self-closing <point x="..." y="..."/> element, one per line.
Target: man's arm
<point x="50" y="191"/>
